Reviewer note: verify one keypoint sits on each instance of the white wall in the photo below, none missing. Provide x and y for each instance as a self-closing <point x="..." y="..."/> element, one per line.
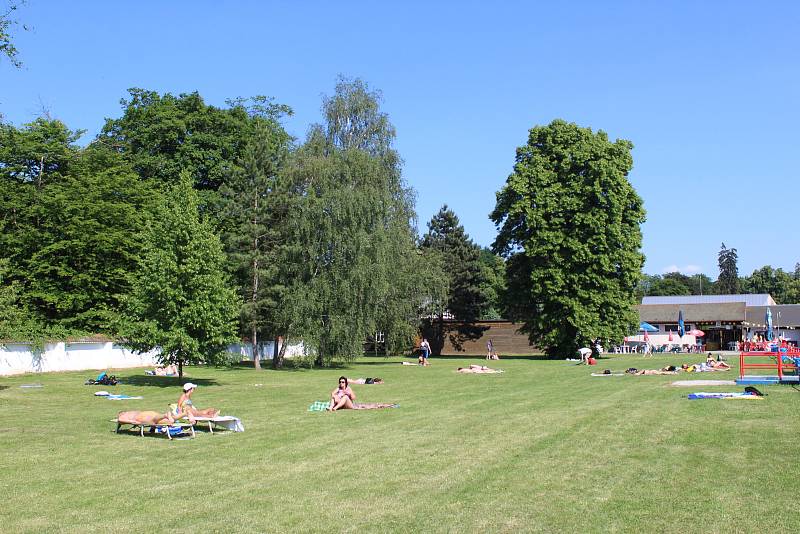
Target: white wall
<point x="18" y="358"/>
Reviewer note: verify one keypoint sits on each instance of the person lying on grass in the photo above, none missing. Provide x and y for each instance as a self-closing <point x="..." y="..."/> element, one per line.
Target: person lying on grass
<point x="343" y="398"/>
<point x="375" y="380"/>
<point x="668" y="370"/>
<point x="473" y="368"/>
<point x="705" y="367"/>
<point x="185" y="403"/>
<point x="169" y="370"/>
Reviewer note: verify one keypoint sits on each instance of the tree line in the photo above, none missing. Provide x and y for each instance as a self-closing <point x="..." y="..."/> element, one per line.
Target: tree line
<point x="188" y="226"/>
<point x="783" y="286"/>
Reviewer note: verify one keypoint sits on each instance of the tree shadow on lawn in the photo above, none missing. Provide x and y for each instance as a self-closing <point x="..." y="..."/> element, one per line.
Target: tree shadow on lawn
<point x="535" y="357"/>
<point x="164" y="381"/>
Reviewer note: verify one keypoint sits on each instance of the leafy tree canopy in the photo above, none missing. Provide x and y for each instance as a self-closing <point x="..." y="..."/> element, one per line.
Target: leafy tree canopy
<point x="728" y="281"/>
<point x="180" y="300"/>
<point x="569" y="225"/>
<point x="164" y="135"/>
<point x="468" y="281"/>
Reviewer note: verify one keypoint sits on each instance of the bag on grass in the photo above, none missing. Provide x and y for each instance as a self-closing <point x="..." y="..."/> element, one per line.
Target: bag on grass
<point x="753" y="391"/>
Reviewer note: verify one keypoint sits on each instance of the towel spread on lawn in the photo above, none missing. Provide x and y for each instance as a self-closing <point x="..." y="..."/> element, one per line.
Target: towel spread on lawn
<point x="319" y="406"/>
<point x="727" y="395"/>
<point x="109" y="396"/>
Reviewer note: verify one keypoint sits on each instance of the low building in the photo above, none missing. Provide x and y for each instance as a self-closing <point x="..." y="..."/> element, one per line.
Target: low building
<point x="725" y="319"/>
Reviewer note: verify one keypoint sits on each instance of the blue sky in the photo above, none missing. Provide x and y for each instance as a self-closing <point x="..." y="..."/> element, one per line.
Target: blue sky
<point x="706" y="91"/>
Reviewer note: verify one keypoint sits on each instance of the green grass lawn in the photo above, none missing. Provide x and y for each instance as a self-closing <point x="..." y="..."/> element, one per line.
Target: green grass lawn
<point x="541" y="447"/>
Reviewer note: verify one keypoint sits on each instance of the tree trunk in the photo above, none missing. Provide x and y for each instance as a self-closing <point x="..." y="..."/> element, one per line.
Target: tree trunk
<point x="277" y="354"/>
<point x="256" y="355"/>
<point x="180" y="368"/>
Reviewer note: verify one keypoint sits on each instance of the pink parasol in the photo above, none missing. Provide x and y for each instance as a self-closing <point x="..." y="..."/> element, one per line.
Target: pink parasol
<point x="696" y="333"/>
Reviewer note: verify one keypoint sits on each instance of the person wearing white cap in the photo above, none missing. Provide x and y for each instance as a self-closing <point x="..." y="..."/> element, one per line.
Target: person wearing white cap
<point x="185" y="403"/>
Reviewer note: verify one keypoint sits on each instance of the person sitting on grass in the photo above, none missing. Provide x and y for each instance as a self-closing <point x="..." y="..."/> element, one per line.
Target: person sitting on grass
<point x="477" y="369"/>
<point x="185" y="403"/>
<point x="343" y="398"/>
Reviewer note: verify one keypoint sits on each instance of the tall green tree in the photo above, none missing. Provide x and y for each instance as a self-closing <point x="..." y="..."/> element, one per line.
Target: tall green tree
<point x="467" y="299"/>
<point x="181" y="301"/>
<point x="33" y="159"/>
<point x="728" y="280"/>
<point x="569" y="225"/>
<point x="353" y="248"/>
<point x="255" y="214"/>
<point x="164" y="135"/>
<point x="88" y="246"/>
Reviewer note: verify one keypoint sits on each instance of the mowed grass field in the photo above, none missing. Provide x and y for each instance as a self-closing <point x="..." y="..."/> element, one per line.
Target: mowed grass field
<point x="542" y="447"/>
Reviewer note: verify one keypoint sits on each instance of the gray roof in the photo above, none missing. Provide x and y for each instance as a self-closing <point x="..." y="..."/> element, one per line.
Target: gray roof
<point x="749" y="300"/>
<point x="693" y="313"/>
<point x="789" y="316"/>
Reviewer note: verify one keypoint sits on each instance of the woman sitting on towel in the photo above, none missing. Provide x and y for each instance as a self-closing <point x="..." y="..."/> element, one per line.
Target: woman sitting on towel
<point x="342" y="396"/>
<point x="185" y="405"/>
<point x="477" y="369"/>
<point x="716" y="365"/>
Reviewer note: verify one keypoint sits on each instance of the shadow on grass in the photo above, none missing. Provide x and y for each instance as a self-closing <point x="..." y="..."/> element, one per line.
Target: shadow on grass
<point x="536" y="357"/>
<point x="164" y="381"/>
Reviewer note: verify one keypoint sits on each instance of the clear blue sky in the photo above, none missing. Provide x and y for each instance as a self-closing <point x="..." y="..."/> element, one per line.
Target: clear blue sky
<point x="707" y="92"/>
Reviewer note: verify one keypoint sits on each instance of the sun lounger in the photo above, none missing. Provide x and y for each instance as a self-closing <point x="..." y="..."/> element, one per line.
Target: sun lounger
<point x="228" y="422"/>
<point x="185" y="427"/>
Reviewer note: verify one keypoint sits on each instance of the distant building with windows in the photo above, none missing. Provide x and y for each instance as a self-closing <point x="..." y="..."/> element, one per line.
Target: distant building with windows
<point x="725" y="319"/>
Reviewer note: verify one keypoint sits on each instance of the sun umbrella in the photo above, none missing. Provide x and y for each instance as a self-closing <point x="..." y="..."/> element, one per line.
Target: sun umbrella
<point x="769" y="324"/>
<point x="681" y="328"/>
<point x="647" y="327"/>
<point x="670" y="335"/>
<point x="696" y="333"/>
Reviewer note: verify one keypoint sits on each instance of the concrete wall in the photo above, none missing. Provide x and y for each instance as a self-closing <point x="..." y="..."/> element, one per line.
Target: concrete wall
<point x="18" y="358"/>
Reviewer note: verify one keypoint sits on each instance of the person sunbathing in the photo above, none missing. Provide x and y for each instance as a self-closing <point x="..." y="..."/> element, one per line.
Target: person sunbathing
<point x="169" y="370"/>
<point x="375" y="380"/>
<point x="185" y="405"/>
<point x="342" y="397"/>
<point x="668" y="370"/>
<point x="145" y="417"/>
<point x="716" y="365"/>
<point x="477" y="369"/>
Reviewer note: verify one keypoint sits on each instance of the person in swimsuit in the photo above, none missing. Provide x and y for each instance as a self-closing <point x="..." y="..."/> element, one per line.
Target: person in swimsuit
<point x="185" y="405"/>
<point x="477" y="369"/>
<point x="342" y="396"/>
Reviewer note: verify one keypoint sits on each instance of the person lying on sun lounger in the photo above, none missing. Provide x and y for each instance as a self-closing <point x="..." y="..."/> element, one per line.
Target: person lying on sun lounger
<point x="145" y="417"/>
<point x="185" y="403"/>
<point x="477" y="369"/>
